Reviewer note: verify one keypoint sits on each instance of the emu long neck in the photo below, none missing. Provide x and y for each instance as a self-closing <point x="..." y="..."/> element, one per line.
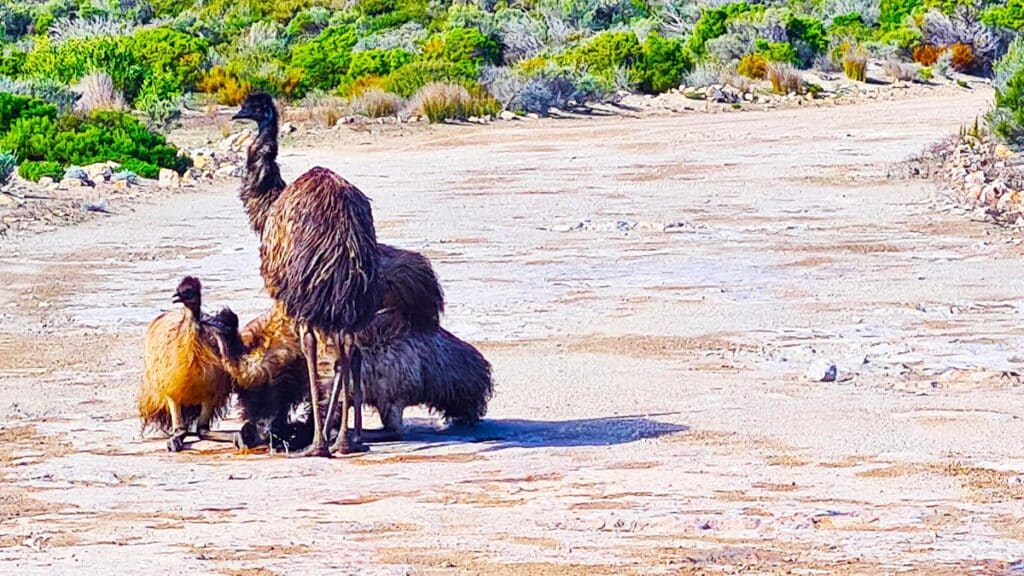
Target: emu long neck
<point x="196" y="308"/>
<point x="262" y="183"/>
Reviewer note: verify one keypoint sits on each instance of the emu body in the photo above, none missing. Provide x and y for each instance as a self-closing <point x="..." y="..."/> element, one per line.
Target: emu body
<point x="183" y="380"/>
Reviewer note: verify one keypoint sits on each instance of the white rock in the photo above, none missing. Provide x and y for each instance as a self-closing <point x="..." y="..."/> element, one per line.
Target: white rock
<point x="507" y="115"/>
<point x="821" y="370"/>
<point x="46" y="181"/>
<point x="168" y="178"/>
<point x="288" y="128"/>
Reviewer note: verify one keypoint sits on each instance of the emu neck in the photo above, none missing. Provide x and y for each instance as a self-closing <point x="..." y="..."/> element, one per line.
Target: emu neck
<point x="195" y="307"/>
<point x="262" y="183"/>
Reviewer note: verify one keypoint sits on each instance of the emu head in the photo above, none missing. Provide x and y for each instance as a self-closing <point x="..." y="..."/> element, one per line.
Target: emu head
<point x="225" y="329"/>
<point x="189" y="293"/>
<point x="258" y="107"/>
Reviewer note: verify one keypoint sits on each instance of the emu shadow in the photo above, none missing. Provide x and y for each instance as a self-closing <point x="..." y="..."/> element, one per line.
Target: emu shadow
<point x="516" y="433"/>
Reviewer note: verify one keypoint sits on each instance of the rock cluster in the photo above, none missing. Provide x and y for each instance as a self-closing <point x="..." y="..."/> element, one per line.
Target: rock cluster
<point x="978" y="172"/>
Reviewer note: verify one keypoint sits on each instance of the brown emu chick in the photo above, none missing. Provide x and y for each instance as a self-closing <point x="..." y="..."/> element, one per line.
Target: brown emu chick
<point x="318" y="257"/>
<point x="269" y="371"/>
<point x="182" y="379"/>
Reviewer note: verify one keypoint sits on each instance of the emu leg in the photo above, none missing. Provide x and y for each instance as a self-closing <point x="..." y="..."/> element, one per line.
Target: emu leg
<point x="248" y="437"/>
<point x="319" y="445"/>
<point x="391" y="418"/>
<point x="344" y="372"/>
<point x="203" y="426"/>
<point x="176" y="443"/>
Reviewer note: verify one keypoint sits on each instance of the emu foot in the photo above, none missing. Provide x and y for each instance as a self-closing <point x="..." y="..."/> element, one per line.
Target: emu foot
<point x="176" y="443"/>
<point x="248" y="437"/>
<point x="315" y="450"/>
<point x="346" y="445"/>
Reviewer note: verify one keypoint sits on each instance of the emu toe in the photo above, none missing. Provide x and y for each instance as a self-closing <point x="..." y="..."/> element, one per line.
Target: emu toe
<point x="345" y="445"/>
<point x="316" y="450"/>
<point x="248" y="437"/>
<point x="175" y="444"/>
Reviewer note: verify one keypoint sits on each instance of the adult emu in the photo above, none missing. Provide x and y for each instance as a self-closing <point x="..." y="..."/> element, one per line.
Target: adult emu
<point x="319" y="259"/>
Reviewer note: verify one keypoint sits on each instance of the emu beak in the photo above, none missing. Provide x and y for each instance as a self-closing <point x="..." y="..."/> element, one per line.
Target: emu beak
<point x="243" y="114"/>
<point x="177" y="298"/>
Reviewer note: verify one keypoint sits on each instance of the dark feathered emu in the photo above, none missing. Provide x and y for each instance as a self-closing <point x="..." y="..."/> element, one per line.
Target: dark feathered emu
<point x="319" y="259"/>
<point x="182" y="378"/>
<point x="403" y="365"/>
<point x="270" y="379"/>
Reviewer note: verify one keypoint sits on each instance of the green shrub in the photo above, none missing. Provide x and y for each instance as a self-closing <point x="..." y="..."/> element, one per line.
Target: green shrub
<point x="662" y="64"/>
<point x="1009" y="15"/>
<point x="324" y="60"/>
<point x="408" y="79"/>
<point x="1007" y="117"/>
<point x="711" y="24"/>
<point x="893" y="13"/>
<point x="141" y="168"/>
<point x="809" y="31"/>
<point x="13" y="107"/>
<point x="753" y="66"/>
<point x="462" y="45"/>
<point x="33" y="170"/>
<point x="605" y="53"/>
<point x="75" y="140"/>
<point x="777" y="51"/>
<point x="375" y="62"/>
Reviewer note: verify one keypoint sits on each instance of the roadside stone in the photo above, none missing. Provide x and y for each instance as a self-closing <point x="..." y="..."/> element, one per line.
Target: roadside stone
<point x="168" y="178"/>
<point x="1003" y="151"/>
<point x="46" y="181"/>
<point x="507" y="115"/>
<point x="821" y="370"/>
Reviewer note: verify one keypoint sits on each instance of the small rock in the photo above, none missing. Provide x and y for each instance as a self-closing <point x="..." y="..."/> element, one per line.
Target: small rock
<point x="168" y="178"/>
<point x="99" y="172"/>
<point x="821" y="370"/>
<point x="46" y="181"/>
<point x="507" y="115"/>
<point x="288" y="128"/>
<point x="533" y="116"/>
<point x="98" y="206"/>
<point x="1003" y="151"/>
<point x="201" y="162"/>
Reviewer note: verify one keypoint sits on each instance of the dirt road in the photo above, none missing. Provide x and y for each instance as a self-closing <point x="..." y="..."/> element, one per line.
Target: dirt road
<point x="650" y="293"/>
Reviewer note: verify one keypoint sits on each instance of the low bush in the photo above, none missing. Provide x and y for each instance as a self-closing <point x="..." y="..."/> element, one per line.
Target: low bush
<point x="141" y="168"/>
<point x="409" y="79"/>
<point x="81" y="140"/>
<point x="777" y="51"/>
<point x="324" y="109"/>
<point x="753" y="66"/>
<point x="926" y="54"/>
<point x="899" y="71"/>
<point x="324" y="60"/>
<point x="604" y="53"/>
<point x="855" y="63"/>
<point x="785" y="78"/>
<point x="439" y="101"/>
<point x="98" y="93"/>
<point x="1007" y="116"/>
<point x="14" y="107"/>
<point x="376" y="103"/>
<point x="33" y="170"/>
<point x="893" y="14"/>
<point x="962" y="57"/>
<point x="662" y="64"/>
<point x="226" y="86"/>
<point x="712" y="24"/>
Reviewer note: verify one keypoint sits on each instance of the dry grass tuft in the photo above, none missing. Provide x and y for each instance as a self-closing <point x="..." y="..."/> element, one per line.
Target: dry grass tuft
<point x="440" y="101"/>
<point x="324" y="110"/>
<point x="376" y="103"/>
<point x="98" y="93"/>
<point x="898" y="71"/>
<point x="785" y="78"/>
<point x="855" y="63"/>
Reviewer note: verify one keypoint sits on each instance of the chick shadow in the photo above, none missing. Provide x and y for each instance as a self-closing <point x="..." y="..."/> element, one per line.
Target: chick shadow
<point x="517" y="433"/>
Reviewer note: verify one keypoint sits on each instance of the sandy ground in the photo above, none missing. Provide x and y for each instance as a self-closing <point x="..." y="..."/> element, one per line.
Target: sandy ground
<point x="650" y="293"/>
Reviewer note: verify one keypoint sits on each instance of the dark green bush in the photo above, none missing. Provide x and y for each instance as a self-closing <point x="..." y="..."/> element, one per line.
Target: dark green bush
<point x="13" y="106"/>
<point x="462" y="45"/>
<point x="141" y="168"/>
<point x="711" y="24"/>
<point x="103" y="135"/>
<point x="808" y="30"/>
<point x="324" y="60"/>
<point x="663" y="64"/>
<point x="34" y="170"/>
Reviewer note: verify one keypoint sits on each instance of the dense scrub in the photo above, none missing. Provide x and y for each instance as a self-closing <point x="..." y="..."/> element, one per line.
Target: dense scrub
<point x="46" y="142"/>
<point x="527" y="56"/>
